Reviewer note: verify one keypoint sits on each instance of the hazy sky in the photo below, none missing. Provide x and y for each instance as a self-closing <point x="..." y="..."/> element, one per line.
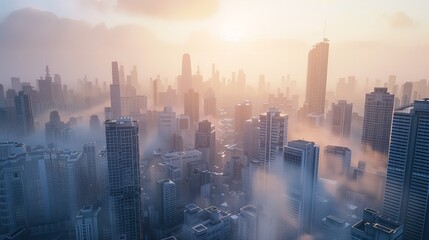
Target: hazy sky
<point x="368" y="38"/>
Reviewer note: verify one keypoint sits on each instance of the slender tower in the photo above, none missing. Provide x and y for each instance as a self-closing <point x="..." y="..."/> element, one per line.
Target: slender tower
<point x="115" y="92"/>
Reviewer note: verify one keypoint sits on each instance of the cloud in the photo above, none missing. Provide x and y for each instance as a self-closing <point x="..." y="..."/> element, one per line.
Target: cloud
<point x="171" y="9"/>
<point x="400" y="20"/>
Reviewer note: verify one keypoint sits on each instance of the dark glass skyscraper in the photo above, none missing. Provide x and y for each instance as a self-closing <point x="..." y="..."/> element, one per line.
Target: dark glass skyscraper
<point x="24" y="114"/>
<point x="377" y="120"/>
<point x="122" y="145"/>
<point x="407" y="183"/>
<point x="317" y="72"/>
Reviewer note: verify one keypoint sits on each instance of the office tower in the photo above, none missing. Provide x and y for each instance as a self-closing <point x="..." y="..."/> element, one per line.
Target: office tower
<point x="10" y="98"/>
<point x="24" y="114"/>
<point x="115" y="92"/>
<point x="94" y="123"/>
<point x="377" y="120"/>
<point x="167" y="127"/>
<point x="168" y="98"/>
<point x="208" y="223"/>
<point x="375" y="226"/>
<point x="210" y="103"/>
<point x="301" y="159"/>
<point x="251" y="139"/>
<point x="134" y="78"/>
<point x="16" y="84"/>
<point x="243" y="112"/>
<point x="407" y="184"/>
<point x="391" y="85"/>
<point x="407" y="93"/>
<point x="192" y="106"/>
<point x="167" y="203"/>
<point x="341" y="117"/>
<point x="45" y="90"/>
<point x="248" y="223"/>
<point x="54" y="128"/>
<point x="317" y="71"/>
<point x="337" y="161"/>
<point x="2" y="96"/>
<point x="122" y="145"/>
<point x="272" y="138"/>
<point x="205" y="142"/>
<point x="87" y="223"/>
<point x="89" y="155"/>
<point x="155" y="92"/>
<point x="185" y="80"/>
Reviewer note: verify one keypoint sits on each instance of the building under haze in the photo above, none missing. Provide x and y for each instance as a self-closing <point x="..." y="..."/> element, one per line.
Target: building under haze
<point x="205" y="141"/>
<point x="87" y="223"/>
<point x="317" y="71"/>
<point x="115" y="93"/>
<point x="407" y="93"/>
<point x="122" y="145"/>
<point x="301" y="160"/>
<point x="192" y="106"/>
<point x="341" y="118"/>
<point x="407" y="183"/>
<point x="243" y="112"/>
<point x="337" y="161"/>
<point x="377" y="121"/>
<point x="24" y="114"/>
<point x="375" y="226"/>
<point x="185" y="79"/>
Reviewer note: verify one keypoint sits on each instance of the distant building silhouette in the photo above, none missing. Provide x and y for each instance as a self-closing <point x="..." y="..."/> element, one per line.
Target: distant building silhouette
<point x="115" y="92"/>
<point x="24" y="114"/>
<point x="192" y="106"/>
<point x="205" y="141"/>
<point x="341" y="118"/>
<point x="210" y="103"/>
<point x="407" y="182"/>
<point x="185" y="79"/>
<point x="407" y="93"/>
<point x="243" y="112"/>
<point x="377" y="120"/>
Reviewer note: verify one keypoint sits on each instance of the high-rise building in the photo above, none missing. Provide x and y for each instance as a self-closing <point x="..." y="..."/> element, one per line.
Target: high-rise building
<point x="272" y="137"/>
<point x="167" y="203"/>
<point x="341" y="118"/>
<point x="248" y="223"/>
<point x="167" y="127"/>
<point x="337" y="161"/>
<point x="185" y="79"/>
<point x="317" y="71"/>
<point x="205" y="141"/>
<point x="375" y="226"/>
<point x="24" y="114"/>
<point x="54" y="128"/>
<point x="45" y="90"/>
<point x="94" y="123"/>
<point x="115" y="92"/>
<point x="251" y="139"/>
<point x="210" y="103"/>
<point x="87" y="223"/>
<point x="407" y="93"/>
<point x="407" y="183"/>
<point x="90" y="172"/>
<point x="243" y="112"/>
<point x="16" y="84"/>
<point x="192" y="106"/>
<point x="377" y="120"/>
<point x="122" y="146"/>
<point x="301" y="159"/>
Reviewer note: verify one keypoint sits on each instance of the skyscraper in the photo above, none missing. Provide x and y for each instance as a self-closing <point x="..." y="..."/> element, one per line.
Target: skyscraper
<point x="407" y="93"/>
<point x="337" y="161"/>
<point x="185" y="80"/>
<point x="272" y="137"/>
<point x="168" y="202"/>
<point x="122" y="146"/>
<point x="407" y="182"/>
<point x="251" y="139"/>
<point x="192" y="106"/>
<point x="24" y="114"/>
<point x="377" y="120"/>
<point x="205" y="141"/>
<point x="317" y="71"/>
<point x="301" y="159"/>
<point x="341" y="117"/>
<point x="248" y="223"/>
<point x="210" y="103"/>
<point x="115" y="92"/>
<point x="243" y="112"/>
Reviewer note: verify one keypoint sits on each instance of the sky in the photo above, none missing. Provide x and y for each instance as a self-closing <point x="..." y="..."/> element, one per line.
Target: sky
<point x="392" y="32"/>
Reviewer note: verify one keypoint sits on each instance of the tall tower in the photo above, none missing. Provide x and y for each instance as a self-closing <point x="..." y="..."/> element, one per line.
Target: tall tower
<point x="115" y="92"/>
<point x="317" y="71"/>
<point x="301" y="160"/>
<point x="24" y="114"/>
<point x="341" y="116"/>
<point x="407" y="182"/>
<point x="377" y="120"/>
<point x="185" y="80"/>
<point x="122" y="146"/>
<point x="407" y="92"/>
<point x="272" y="137"/>
<point x="168" y="202"/>
<point x="205" y="141"/>
<point x="192" y="106"/>
<point x="243" y="112"/>
<point x="248" y="223"/>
